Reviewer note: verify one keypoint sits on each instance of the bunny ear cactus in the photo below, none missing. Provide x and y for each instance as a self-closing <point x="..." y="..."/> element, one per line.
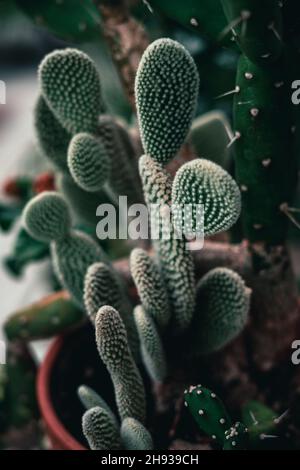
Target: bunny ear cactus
<point x="151" y="345"/>
<point x="53" y="138"/>
<point x="203" y="183"/>
<point x="88" y="162"/>
<point x="100" y="430"/>
<point x="70" y="85"/>
<point x="102" y="286"/>
<point x="135" y="436"/>
<point x="150" y="287"/>
<point x="223" y="307"/>
<point x="47" y="218"/>
<point x="166" y="90"/>
<point x="112" y="343"/>
<point x="175" y="259"/>
<point x="90" y="399"/>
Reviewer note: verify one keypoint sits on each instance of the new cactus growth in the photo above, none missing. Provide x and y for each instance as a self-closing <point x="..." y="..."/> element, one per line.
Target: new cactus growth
<point x="100" y="429"/>
<point x="135" y="436"/>
<point x="114" y="350"/>
<point x="90" y="399"/>
<point x="213" y="419"/>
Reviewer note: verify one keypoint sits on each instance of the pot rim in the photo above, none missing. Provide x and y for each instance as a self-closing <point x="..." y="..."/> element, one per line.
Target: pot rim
<point x="49" y="415"/>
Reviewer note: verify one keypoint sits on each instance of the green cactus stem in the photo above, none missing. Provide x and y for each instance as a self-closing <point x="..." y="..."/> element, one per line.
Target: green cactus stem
<point x="260" y="420"/>
<point x="166" y="90"/>
<point x="222" y="310"/>
<point x="22" y="405"/>
<point x="88" y="162"/>
<point x="135" y="436"/>
<point x="208" y="411"/>
<point x="257" y="27"/>
<point x="175" y="259"/>
<point x="201" y="182"/>
<point x="90" y="399"/>
<point x="44" y="319"/>
<point x="150" y="287"/>
<point x="100" y="430"/>
<point x="265" y="166"/>
<point x="103" y="286"/>
<point x="53" y="138"/>
<point x="114" y="350"/>
<point x="47" y="218"/>
<point x="151" y="345"/>
<point x="236" y="438"/>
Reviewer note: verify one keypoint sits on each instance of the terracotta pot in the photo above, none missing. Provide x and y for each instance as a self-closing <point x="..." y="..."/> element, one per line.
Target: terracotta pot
<point x="59" y="436"/>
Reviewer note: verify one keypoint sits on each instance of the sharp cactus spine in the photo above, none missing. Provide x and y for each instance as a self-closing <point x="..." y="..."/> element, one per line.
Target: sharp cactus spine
<point x="257" y="26"/>
<point x="88" y="162"/>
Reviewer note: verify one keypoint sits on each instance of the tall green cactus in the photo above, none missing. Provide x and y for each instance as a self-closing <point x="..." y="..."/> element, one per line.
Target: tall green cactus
<point x="265" y="164"/>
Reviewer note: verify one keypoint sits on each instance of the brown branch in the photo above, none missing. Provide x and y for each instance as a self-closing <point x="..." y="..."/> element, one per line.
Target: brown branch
<point x="126" y="39"/>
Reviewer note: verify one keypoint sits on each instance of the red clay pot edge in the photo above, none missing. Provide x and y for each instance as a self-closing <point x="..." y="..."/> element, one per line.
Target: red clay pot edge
<point x="57" y="433"/>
